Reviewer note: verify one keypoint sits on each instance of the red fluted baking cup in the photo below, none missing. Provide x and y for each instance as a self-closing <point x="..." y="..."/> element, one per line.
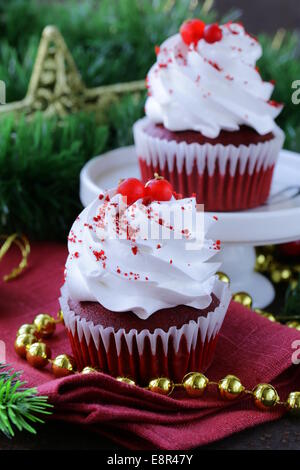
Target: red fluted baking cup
<point x="223" y="177"/>
<point x="143" y="355"/>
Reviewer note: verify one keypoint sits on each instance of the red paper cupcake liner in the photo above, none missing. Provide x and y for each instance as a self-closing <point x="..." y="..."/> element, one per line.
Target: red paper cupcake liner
<point x="223" y="177"/>
<point x="173" y="365"/>
<point x="217" y="192"/>
<point x="144" y="355"/>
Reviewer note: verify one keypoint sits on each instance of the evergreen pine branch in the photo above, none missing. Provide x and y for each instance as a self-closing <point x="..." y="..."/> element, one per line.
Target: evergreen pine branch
<point x="99" y="32"/>
<point x="6" y="372"/>
<point x="19" y="406"/>
<point x="39" y="160"/>
<point x="96" y="32"/>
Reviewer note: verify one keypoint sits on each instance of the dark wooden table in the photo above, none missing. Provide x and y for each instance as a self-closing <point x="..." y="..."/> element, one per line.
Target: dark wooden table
<point x="282" y="435"/>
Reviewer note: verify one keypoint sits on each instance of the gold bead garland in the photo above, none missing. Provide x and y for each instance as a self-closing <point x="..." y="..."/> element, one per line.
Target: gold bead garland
<point x="125" y="380"/>
<point x="265" y="396"/>
<point x="293" y="324"/>
<point x="230" y="387"/>
<point x="45" y="325"/>
<point x="245" y="299"/>
<point x="92" y="370"/>
<point x="195" y="384"/>
<point x="293" y="403"/>
<point x="28" y="345"/>
<point x="267" y="263"/>
<point x="23" y="244"/>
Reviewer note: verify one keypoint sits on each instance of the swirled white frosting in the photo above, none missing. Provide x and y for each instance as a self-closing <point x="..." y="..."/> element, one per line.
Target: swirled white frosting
<point x="211" y="87"/>
<point x="136" y="258"/>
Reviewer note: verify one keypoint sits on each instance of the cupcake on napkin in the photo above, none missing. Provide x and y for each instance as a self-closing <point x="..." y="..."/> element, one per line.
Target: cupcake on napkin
<point x="210" y="125"/>
<point x="141" y="297"/>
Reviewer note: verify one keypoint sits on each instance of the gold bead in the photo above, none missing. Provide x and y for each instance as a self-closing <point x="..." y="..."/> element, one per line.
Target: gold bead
<point x="293" y="283"/>
<point x="161" y="385"/>
<point x="267" y="315"/>
<point x="89" y="370"/>
<point x="22" y="342"/>
<point x="280" y="273"/>
<point x="276" y="276"/>
<point x="263" y="262"/>
<point x="194" y="384"/>
<point x="63" y="365"/>
<point x="286" y="274"/>
<point x="223" y="277"/>
<point x="293" y="403"/>
<point x="45" y="325"/>
<point x="293" y="324"/>
<point x="243" y="298"/>
<point x="38" y="355"/>
<point x="60" y="315"/>
<point x="230" y="387"/>
<point x="265" y="396"/>
<point x="296" y="268"/>
<point x="27" y="328"/>
<point x="125" y="380"/>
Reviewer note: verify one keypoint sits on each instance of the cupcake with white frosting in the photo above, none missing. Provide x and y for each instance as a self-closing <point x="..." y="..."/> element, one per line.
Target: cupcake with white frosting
<point x="210" y="122"/>
<point x="141" y="297"/>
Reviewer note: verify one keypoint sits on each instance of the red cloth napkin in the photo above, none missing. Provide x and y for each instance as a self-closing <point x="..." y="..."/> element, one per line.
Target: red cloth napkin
<point x="249" y="346"/>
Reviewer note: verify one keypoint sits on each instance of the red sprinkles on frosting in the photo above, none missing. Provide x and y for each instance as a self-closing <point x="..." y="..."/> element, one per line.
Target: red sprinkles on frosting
<point x="99" y="255"/>
<point x="275" y="104"/>
<point x="134" y="250"/>
<point x="217" y="245"/>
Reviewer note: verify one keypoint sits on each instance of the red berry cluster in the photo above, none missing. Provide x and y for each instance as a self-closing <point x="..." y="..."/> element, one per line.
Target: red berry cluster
<point x="193" y="30"/>
<point x="157" y="189"/>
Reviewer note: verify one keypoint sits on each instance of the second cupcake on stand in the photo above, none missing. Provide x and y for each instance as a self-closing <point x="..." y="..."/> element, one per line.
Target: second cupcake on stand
<point x="210" y="123"/>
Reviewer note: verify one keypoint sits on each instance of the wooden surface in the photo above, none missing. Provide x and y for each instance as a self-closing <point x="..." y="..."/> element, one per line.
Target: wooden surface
<point x="282" y="435"/>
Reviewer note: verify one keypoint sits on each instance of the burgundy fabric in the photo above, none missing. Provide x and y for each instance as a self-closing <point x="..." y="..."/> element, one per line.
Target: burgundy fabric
<point x="249" y="346"/>
<point x="218" y="193"/>
<point x="164" y="319"/>
<point x="246" y="135"/>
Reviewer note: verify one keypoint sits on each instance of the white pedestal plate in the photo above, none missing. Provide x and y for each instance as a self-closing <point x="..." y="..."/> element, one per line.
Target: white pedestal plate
<point x="278" y="221"/>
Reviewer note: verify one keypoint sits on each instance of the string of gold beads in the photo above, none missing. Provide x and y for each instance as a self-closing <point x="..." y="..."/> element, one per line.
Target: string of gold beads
<point x="246" y="300"/>
<point x="29" y="345"/>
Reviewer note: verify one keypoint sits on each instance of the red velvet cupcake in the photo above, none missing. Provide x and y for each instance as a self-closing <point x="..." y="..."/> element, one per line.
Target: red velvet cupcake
<point x="210" y="122"/>
<point x="141" y="297"/>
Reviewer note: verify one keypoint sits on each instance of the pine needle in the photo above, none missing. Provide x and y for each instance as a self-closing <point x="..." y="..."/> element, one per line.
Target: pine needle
<point x="18" y="405"/>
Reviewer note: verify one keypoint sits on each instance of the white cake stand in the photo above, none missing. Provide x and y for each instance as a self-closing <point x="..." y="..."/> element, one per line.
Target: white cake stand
<point x="278" y="221"/>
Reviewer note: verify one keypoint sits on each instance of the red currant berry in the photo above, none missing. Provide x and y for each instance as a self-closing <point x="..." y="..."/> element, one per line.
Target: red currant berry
<point x="192" y="31"/>
<point x="159" y="189"/>
<point x="212" y="33"/>
<point x="177" y="195"/>
<point x="132" y="189"/>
